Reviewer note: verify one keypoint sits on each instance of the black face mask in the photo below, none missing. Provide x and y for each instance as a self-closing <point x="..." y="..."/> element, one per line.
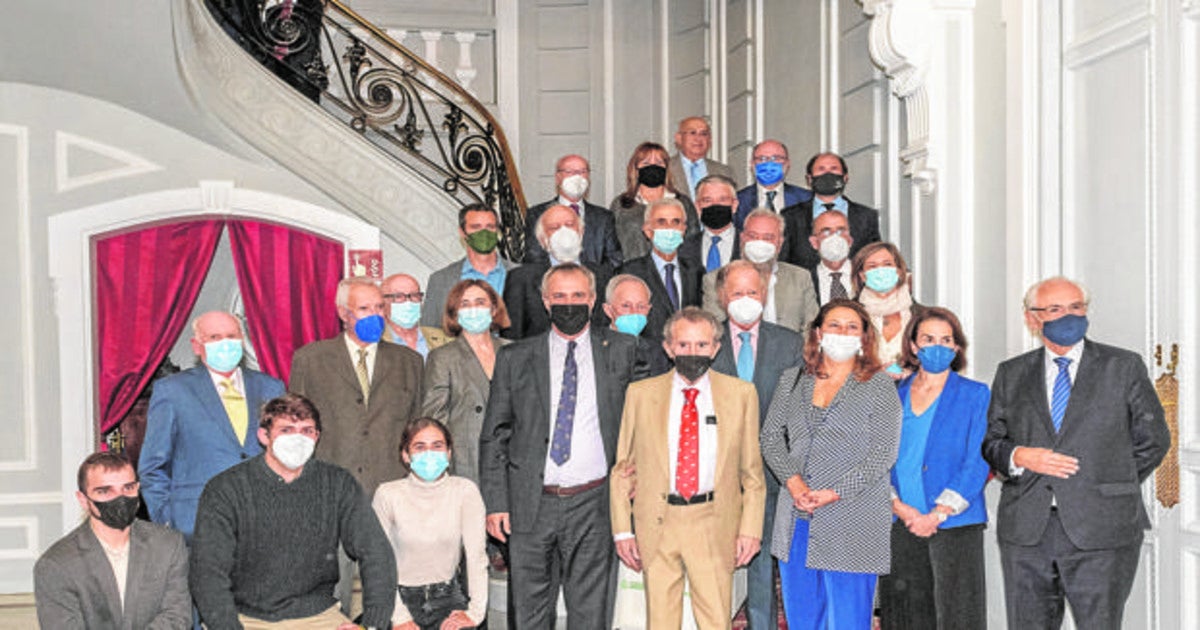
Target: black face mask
<point x="117" y="513"/>
<point x="652" y="175"/>
<point x="716" y="217"/>
<point x="569" y="319"/>
<point x="692" y="366"/>
<point x="829" y="184"/>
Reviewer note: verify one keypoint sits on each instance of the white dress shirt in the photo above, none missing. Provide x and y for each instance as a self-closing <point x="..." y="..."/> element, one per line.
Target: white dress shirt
<point x="708" y="431"/>
<point x="372" y="350"/>
<point x="587" y="461"/>
<point x="725" y="246"/>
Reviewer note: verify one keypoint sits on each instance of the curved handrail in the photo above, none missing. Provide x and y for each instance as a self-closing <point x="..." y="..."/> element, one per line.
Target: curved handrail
<point x="410" y="110"/>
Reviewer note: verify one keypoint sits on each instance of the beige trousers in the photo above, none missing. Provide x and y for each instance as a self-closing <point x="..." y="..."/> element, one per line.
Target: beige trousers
<point x="687" y="549"/>
<point x="328" y="620"/>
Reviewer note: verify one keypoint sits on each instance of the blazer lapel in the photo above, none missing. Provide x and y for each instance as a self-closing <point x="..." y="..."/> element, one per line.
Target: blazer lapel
<point x="341" y="361"/>
<point x="1034" y="388"/>
<point x="1084" y="390"/>
<point x="541" y="380"/>
<point x="610" y="418"/>
<point x="383" y="365"/>
<point x="99" y="570"/>
<point x="139" y="555"/>
<point x="725" y="409"/>
<point x="725" y="362"/>
<point x="690" y="278"/>
<point x="203" y="388"/>
<point x="660" y="409"/>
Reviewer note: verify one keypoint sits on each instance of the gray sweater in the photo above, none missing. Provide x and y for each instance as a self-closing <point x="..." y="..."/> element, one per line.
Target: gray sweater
<point x="268" y="549"/>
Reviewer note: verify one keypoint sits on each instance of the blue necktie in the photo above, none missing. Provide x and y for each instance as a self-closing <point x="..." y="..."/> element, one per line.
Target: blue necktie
<point x="745" y="358"/>
<point x="1062" y="392"/>
<point x="669" y="281"/>
<point x="694" y="176"/>
<point x="714" y="255"/>
<point x="560" y="447"/>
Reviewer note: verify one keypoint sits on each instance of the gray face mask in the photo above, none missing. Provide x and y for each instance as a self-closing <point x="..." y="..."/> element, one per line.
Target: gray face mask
<point x="692" y="366"/>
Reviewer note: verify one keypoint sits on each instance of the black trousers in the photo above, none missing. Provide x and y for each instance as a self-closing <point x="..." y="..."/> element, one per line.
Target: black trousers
<point x="1096" y="582"/>
<point x="570" y="548"/>
<point x="935" y="582"/>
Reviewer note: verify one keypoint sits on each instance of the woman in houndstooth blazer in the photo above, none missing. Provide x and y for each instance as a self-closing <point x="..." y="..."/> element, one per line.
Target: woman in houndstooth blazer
<point x="832" y="433"/>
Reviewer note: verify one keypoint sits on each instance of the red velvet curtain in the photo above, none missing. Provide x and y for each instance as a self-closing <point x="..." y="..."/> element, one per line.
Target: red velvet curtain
<point x="146" y="285"/>
<point x="288" y="279"/>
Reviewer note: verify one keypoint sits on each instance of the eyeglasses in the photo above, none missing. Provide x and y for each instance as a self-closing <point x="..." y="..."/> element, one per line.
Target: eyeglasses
<point x="1055" y="310"/>
<point x="415" y="296"/>
<point x="763" y="159"/>
<point x="827" y="232"/>
<point x="570" y="172"/>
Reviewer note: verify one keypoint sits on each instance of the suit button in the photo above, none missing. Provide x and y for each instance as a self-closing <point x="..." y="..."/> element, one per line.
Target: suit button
<point x="360" y="469"/>
<point x="366" y="433"/>
<point x="359" y="400"/>
<point x="547" y="440"/>
<point x="924" y="469"/>
<point x="478" y="408"/>
<point x="243" y="456"/>
<point x="660" y="520"/>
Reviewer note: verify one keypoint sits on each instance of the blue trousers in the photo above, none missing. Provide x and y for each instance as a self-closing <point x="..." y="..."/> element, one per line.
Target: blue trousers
<point x="815" y="599"/>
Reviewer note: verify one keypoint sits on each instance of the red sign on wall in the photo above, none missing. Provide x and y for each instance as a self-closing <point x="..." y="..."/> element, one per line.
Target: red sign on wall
<point x="366" y="262"/>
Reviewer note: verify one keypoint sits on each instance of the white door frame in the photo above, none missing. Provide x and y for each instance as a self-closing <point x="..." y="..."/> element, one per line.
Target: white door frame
<point x="70" y="267"/>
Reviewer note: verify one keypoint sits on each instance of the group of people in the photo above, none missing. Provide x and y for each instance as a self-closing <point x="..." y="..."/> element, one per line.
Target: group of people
<point x="694" y="379"/>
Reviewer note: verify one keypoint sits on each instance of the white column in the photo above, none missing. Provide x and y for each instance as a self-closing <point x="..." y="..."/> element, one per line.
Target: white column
<point x="465" y="72"/>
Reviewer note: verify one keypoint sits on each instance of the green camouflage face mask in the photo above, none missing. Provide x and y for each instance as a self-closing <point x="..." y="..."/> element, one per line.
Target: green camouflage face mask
<point x="483" y="241"/>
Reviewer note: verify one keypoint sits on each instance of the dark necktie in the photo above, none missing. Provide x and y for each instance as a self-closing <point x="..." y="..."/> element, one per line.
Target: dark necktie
<point x="827" y="206"/>
<point x="575" y="207"/>
<point x="714" y="255"/>
<point x="669" y="281"/>
<point x="560" y="445"/>
<point x="771" y="199"/>
<point x="836" y="288"/>
<point x="1062" y="392"/>
<point x="687" y="467"/>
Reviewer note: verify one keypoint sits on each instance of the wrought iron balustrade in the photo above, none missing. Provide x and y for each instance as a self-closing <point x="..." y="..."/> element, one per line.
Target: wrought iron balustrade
<point x="396" y="100"/>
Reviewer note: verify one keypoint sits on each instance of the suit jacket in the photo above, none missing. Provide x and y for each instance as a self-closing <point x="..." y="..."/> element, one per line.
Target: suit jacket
<point x="360" y="438"/>
<point x="523" y="299"/>
<point x="75" y="588"/>
<point x="690" y="277"/>
<point x="600" y="244"/>
<point x="952" y="459"/>
<point x="798" y="220"/>
<point x="748" y="200"/>
<point x="1114" y="424"/>
<point x="189" y="440"/>
<point x="739" y="489"/>
<point x="438" y="288"/>
<point x="778" y="349"/>
<point x="516" y="427"/>
<point x="455" y="391"/>
<point x="795" y="298"/>
<point x="435" y="337"/>
<point x="679" y="178"/>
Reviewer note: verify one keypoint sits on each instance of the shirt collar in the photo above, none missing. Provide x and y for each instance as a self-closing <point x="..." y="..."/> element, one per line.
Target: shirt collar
<point x="1074" y="354"/>
<point x="840" y="204"/>
<point x="353" y="346"/>
<point x="705" y="383"/>
<point x="236" y="377"/>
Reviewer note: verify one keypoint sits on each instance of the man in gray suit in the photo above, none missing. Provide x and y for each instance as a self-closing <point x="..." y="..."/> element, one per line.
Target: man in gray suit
<point x="758" y="352"/>
<point x="477" y="228"/>
<point x="113" y="571"/>
<point x="549" y="439"/>
<point x="691" y="163"/>
<point x="1074" y="428"/>
<point x="791" y="301"/>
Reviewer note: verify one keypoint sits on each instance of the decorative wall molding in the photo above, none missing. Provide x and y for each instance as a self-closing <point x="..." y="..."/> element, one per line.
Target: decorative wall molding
<point x="69" y="148"/>
<point x="28" y="524"/>
<point x="29" y="416"/>
<point x="899" y="44"/>
<point x="323" y="151"/>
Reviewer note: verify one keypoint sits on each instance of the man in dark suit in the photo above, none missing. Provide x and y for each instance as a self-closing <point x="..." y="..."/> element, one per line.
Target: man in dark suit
<point x="1074" y="428"/>
<point x="548" y="441"/>
<point x="365" y="391"/>
<point x="560" y="231"/>
<point x="674" y="280"/>
<point x="757" y="352"/>
<point x="831" y="239"/>
<point x="691" y="164"/>
<point x="201" y="421"/>
<point x="626" y="307"/>
<point x="771" y="164"/>
<point x="571" y="181"/>
<point x="717" y="202"/>
<point x="827" y="176"/>
<point x="113" y="571"/>
<point x="477" y="228"/>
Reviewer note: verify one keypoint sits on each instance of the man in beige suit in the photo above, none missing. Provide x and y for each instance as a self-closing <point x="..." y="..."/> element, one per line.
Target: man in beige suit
<point x="693" y="436"/>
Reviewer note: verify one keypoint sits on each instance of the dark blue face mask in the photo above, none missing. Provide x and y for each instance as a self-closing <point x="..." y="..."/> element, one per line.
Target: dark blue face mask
<point x="370" y="328"/>
<point x="1067" y="330"/>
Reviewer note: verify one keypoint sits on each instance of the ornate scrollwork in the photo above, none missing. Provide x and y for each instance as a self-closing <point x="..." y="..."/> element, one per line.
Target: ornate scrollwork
<point x="393" y="98"/>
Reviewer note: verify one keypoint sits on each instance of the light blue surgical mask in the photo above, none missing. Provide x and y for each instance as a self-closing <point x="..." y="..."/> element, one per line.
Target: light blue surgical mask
<point x="882" y="279"/>
<point x="667" y="240"/>
<point x="429" y="465"/>
<point x="768" y="173"/>
<point x="630" y="324"/>
<point x="223" y="355"/>
<point x="475" y="320"/>
<point x="406" y="314"/>
<point x="937" y="358"/>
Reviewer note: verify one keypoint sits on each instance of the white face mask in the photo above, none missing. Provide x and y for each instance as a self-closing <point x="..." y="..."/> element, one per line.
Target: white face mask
<point x="840" y="347"/>
<point x="575" y="186"/>
<point x="293" y="450"/>
<point x="758" y="252"/>
<point x="745" y="310"/>
<point x="565" y="245"/>
<point x="834" y="249"/>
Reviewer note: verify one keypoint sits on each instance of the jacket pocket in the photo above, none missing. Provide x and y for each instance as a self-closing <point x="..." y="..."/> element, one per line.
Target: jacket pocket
<point x="1118" y="489"/>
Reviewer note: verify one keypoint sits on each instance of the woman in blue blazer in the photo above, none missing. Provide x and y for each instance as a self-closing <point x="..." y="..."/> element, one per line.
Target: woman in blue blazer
<point x="937" y="576"/>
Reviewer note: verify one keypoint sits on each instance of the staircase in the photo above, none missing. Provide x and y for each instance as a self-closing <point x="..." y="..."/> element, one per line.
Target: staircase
<point x="329" y="96"/>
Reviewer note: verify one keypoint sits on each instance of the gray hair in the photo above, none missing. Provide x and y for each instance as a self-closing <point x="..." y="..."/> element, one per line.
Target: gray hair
<point x="709" y="180"/>
<point x="723" y="274"/>
<point x="665" y="201"/>
<point x="771" y="214"/>
<point x="342" y="297"/>
<point x="611" y="290"/>
<point x="1031" y="293"/>
<point x="539" y="230"/>
<point x="695" y="315"/>
<point x="196" y="323"/>
<point x="566" y="268"/>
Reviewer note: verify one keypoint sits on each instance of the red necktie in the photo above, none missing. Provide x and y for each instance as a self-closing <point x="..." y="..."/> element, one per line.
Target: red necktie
<point x="687" y="469"/>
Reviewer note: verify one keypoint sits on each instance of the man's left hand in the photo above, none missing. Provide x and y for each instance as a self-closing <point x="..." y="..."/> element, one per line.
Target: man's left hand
<point x="746" y="548"/>
<point x="457" y="619"/>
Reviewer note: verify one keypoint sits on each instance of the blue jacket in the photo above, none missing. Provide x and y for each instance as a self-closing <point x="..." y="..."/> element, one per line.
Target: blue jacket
<point x="953" y="458"/>
<point x="748" y="201"/>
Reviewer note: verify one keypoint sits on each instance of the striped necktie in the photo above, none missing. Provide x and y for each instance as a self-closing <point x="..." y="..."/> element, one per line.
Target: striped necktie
<point x="1062" y="392"/>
